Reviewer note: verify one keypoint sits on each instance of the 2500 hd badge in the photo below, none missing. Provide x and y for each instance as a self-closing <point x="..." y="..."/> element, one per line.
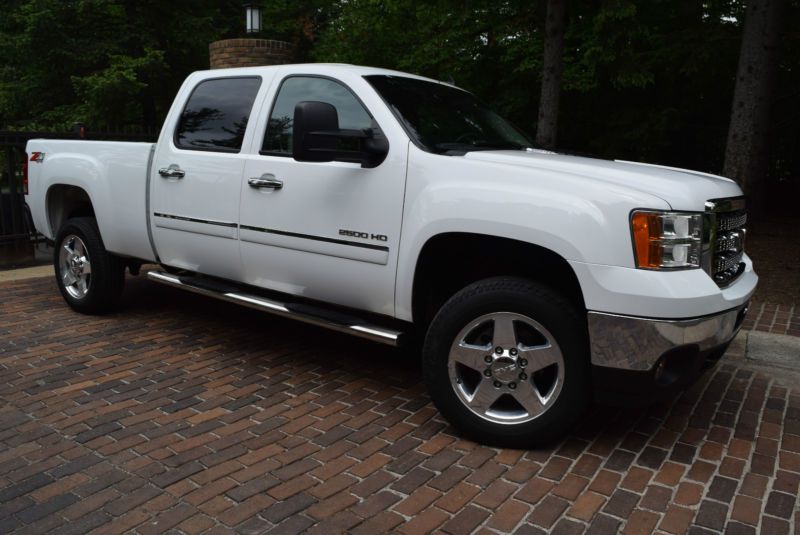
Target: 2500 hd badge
<point x="365" y="235"/>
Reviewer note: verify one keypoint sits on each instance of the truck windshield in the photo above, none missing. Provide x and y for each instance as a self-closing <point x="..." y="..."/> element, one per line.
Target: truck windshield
<point x="444" y="119"/>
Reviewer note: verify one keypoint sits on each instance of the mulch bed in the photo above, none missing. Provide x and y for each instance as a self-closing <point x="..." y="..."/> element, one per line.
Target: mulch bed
<point x="774" y="245"/>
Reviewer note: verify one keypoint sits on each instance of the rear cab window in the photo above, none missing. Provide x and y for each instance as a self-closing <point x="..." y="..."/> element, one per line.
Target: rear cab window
<point x="216" y="114"/>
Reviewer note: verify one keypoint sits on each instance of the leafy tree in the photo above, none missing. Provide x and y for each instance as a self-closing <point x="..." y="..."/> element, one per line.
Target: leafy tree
<point x="639" y="77"/>
<point x="490" y="47"/>
<point x="103" y="62"/>
<point x="746" y="151"/>
<point x="552" y="67"/>
<point x="299" y="22"/>
<point x="642" y="79"/>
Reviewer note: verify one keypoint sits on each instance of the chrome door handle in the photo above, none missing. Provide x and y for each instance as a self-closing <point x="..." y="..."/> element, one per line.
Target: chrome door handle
<point x="173" y="171"/>
<point x="265" y="181"/>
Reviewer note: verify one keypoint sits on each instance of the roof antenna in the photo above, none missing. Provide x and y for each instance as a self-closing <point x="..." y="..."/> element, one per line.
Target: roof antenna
<point x="449" y="80"/>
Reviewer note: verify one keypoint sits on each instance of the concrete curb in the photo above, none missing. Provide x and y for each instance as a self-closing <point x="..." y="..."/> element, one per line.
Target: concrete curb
<point x="775" y="355"/>
<point x="775" y="349"/>
<point x="26" y="273"/>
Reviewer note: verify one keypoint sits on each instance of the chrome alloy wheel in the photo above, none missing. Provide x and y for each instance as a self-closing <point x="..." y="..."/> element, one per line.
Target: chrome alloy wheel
<point x="506" y="368"/>
<point x="75" y="267"/>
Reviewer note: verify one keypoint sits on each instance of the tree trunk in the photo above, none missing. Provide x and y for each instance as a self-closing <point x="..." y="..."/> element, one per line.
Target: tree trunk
<point x="547" y="126"/>
<point x="746" y="153"/>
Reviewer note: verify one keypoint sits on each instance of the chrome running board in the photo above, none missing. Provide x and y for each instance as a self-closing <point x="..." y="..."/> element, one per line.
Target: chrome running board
<point x="302" y="312"/>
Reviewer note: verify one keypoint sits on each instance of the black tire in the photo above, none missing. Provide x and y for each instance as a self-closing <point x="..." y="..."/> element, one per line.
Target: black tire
<point x="510" y="297"/>
<point x="107" y="278"/>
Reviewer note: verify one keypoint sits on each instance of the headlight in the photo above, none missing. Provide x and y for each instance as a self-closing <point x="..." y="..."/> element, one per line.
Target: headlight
<point x="667" y="240"/>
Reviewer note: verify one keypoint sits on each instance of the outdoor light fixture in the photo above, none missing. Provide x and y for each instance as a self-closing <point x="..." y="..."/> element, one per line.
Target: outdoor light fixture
<point x="252" y="18"/>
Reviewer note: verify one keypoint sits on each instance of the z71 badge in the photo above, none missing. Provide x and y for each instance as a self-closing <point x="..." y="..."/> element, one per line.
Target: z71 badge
<point x="364" y="235"/>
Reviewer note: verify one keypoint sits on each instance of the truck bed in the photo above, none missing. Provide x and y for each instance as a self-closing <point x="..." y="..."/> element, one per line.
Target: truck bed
<point x="115" y="177"/>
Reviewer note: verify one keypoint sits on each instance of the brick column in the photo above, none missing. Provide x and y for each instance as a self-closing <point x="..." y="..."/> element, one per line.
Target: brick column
<point x="249" y="53"/>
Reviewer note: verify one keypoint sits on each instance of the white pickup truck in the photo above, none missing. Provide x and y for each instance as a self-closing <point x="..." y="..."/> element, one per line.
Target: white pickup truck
<point x="391" y="207"/>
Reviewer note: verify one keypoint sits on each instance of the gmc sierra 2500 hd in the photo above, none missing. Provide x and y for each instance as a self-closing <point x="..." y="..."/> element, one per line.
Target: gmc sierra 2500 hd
<point x="383" y="204"/>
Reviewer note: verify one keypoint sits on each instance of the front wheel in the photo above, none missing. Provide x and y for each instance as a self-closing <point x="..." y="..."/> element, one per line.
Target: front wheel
<point x="506" y="362"/>
<point x="89" y="277"/>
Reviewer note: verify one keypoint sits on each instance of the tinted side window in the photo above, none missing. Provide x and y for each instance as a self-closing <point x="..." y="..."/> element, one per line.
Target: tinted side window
<point x="216" y="114"/>
<point x="278" y="138"/>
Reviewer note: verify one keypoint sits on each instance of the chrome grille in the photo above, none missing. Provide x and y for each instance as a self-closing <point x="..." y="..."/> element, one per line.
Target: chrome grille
<point x="729" y="241"/>
<point x="731" y="220"/>
<point x="726" y="262"/>
<point x="724" y="239"/>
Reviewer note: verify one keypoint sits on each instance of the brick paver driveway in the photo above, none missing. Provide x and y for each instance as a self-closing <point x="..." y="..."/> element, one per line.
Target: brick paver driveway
<point x="180" y="413"/>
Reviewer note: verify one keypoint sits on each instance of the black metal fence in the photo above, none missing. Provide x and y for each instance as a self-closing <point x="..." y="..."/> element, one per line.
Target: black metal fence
<point x="13" y="220"/>
<point x="16" y="229"/>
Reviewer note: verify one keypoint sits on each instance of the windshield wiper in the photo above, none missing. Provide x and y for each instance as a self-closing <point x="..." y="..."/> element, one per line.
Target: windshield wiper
<point x="463" y="147"/>
<point x="488" y="145"/>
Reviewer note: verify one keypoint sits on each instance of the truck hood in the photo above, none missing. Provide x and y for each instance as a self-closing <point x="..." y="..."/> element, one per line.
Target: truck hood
<point x="680" y="188"/>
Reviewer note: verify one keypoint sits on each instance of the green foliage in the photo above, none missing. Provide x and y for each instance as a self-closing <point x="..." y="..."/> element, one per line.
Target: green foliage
<point x="484" y="45"/>
<point x="651" y="80"/>
<point x="113" y="62"/>
<point x="643" y="79"/>
<point x="116" y="90"/>
<point x="296" y="21"/>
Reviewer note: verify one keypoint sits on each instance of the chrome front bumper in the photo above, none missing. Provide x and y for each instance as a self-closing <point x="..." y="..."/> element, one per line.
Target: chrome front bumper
<point x="636" y="344"/>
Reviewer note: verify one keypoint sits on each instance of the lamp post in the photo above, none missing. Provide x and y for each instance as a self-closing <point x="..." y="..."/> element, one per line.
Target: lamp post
<point x="254" y="47"/>
<point x="252" y="18"/>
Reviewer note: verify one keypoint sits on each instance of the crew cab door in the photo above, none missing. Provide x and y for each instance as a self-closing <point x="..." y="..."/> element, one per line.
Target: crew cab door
<point x="328" y="231"/>
<point x="196" y="176"/>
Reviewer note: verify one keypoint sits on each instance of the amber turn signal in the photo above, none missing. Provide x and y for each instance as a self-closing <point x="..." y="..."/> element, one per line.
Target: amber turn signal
<point x="646" y="233"/>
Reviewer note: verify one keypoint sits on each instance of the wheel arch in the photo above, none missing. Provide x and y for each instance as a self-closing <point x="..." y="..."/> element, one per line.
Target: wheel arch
<point x="65" y="201"/>
<point x="447" y="263"/>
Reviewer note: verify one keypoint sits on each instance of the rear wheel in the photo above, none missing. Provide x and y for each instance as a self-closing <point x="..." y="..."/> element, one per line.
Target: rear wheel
<point x="506" y="362"/>
<point x="89" y="277"/>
